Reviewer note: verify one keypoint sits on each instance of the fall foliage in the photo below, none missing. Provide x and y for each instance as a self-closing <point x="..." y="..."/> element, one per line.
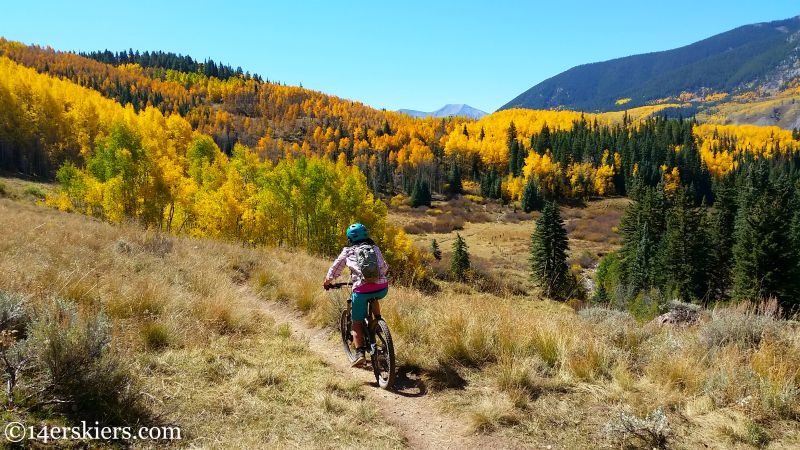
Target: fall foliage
<point x="237" y="157"/>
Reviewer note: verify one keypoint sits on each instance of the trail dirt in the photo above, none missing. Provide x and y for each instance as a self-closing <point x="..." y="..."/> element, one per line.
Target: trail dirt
<point x="407" y="407"/>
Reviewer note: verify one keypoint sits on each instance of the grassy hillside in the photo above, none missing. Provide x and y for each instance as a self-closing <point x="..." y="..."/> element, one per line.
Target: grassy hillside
<point x="186" y="322"/>
<point x="190" y="339"/>
<point x="542" y="374"/>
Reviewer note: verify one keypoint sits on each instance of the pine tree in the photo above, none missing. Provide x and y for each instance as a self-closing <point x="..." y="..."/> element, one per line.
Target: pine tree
<point x="765" y="257"/>
<point x="513" y="159"/>
<point x="721" y="235"/>
<point x="454" y="186"/>
<point x="542" y="142"/>
<point x="491" y="184"/>
<point x="685" y="249"/>
<point x="459" y="265"/>
<point x="531" y="197"/>
<point x="435" y="250"/>
<point x="548" y="258"/>
<point x="642" y="227"/>
<point x="421" y="193"/>
<point x="512" y="146"/>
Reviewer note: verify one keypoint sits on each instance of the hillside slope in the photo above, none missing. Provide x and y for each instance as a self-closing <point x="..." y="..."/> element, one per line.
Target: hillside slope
<point x="761" y="56"/>
<point x="203" y="356"/>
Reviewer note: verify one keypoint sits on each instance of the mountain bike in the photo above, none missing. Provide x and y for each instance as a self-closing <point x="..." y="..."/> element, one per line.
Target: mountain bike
<point x="377" y="339"/>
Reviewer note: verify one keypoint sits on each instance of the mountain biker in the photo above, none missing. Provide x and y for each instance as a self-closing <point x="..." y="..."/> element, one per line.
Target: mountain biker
<point x="363" y="290"/>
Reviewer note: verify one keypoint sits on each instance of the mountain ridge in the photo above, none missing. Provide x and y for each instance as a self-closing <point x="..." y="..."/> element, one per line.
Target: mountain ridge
<point x="764" y="57"/>
<point x="449" y="110"/>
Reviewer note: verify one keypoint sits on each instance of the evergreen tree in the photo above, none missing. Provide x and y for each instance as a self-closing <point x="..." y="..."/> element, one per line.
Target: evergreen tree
<point x="421" y="193"/>
<point x="435" y="250"/>
<point x="548" y="258"/>
<point x="685" y="249"/>
<point x="454" y="186"/>
<point x="497" y="187"/>
<point x="459" y="265"/>
<point x="541" y="142"/>
<point x="512" y="145"/>
<point x="475" y="167"/>
<point x="642" y="227"/>
<point x="721" y="236"/>
<point x="531" y="197"/>
<point x="490" y="184"/>
<point x="513" y="158"/>
<point x="765" y="257"/>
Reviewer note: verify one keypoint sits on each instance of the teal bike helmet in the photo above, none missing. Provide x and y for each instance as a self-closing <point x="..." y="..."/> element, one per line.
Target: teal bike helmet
<point x="357" y="232"/>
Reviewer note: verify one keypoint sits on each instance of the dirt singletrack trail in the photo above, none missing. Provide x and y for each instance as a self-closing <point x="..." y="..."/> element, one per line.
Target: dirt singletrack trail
<point x="407" y="407"/>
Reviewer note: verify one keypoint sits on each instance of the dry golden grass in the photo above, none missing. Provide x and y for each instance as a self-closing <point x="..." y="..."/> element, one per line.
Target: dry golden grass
<point x="208" y="360"/>
<point x="539" y="371"/>
<point x="542" y="373"/>
<point x="498" y="238"/>
<point x="509" y="365"/>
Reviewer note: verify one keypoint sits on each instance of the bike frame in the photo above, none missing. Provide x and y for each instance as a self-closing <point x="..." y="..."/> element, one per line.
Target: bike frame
<point x="369" y="324"/>
<point x="377" y="339"/>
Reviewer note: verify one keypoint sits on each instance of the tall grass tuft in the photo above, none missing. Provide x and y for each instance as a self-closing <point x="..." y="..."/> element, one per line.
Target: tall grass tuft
<point x="156" y="335"/>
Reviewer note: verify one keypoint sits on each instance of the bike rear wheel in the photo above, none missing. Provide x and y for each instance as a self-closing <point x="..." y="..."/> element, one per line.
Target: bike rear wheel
<point x="345" y="328"/>
<point x="383" y="360"/>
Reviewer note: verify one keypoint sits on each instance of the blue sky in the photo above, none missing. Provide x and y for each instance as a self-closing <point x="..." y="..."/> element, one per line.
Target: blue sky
<point x="409" y="54"/>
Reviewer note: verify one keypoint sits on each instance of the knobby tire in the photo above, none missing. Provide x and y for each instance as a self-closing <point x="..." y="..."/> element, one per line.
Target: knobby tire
<point x="383" y="360"/>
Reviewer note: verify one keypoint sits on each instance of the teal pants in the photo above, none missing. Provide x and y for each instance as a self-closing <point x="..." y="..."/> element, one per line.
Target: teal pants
<point x="361" y="300"/>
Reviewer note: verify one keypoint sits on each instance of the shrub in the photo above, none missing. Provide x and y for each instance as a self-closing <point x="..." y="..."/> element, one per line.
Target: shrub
<point x="603" y="316"/>
<point x="475" y="199"/>
<point x="652" y="431"/>
<point x="35" y="191"/>
<point x="418" y="228"/>
<point x="607" y="277"/>
<point x="447" y="223"/>
<point x="741" y="325"/>
<point x="77" y="369"/>
<point x="645" y="306"/>
<point x="14" y="315"/>
<point x="399" y="201"/>
<point x="3" y="189"/>
<point x="157" y="244"/>
<point x="14" y="352"/>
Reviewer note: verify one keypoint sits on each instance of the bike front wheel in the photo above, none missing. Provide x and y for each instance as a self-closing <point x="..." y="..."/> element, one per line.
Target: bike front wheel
<point x="345" y="328"/>
<point x="383" y="360"/>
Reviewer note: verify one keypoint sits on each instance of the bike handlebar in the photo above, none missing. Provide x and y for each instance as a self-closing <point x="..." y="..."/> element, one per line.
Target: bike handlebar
<point x="338" y="285"/>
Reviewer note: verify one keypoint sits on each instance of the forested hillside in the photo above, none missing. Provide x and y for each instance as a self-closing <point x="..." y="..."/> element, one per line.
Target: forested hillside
<point x="270" y="175"/>
<point x="263" y="163"/>
<point x="759" y="59"/>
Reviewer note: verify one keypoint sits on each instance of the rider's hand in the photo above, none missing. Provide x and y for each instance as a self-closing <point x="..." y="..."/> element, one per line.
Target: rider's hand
<point x="326" y="284"/>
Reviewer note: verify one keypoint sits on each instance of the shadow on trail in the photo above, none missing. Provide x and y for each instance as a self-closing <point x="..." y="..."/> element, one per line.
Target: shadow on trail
<point x="407" y="383"/>
<point x="410" y="381"/>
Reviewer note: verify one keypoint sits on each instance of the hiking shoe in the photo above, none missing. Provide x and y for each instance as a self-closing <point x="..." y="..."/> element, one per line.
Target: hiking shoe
<point x="360" y="360"/>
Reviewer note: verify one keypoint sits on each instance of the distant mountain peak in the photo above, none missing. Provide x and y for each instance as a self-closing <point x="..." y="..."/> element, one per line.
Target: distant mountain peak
<point x="449" y="110"/>
<point x="759" y="57"/>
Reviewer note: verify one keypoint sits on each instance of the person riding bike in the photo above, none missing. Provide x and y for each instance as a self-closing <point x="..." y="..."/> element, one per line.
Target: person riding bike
<point x="365" y="287"/>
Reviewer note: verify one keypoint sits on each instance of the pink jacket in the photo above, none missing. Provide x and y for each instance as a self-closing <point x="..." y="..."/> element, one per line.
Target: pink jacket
<point x="348" y="258"/>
